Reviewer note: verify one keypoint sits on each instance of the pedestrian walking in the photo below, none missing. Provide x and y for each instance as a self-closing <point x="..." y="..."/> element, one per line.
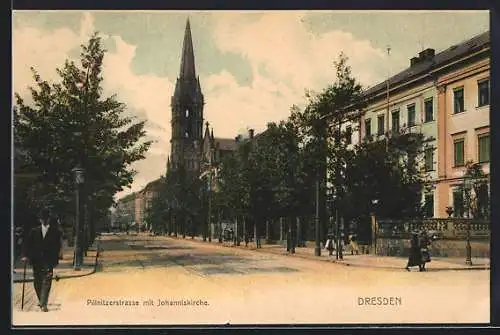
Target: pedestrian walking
<point x="424" y="242"/>
<point x="353" y="243"/>
<point x="41" y="248"/>
<point x="330" y="244"/>
<point x="415" y="257"/>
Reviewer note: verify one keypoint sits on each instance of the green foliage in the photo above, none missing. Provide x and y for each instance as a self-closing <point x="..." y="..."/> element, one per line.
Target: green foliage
<point x="70" y="123"/>
<point x="475" y="190"/>
<point x="387" y="175"/>
<point x="276" y="177"/>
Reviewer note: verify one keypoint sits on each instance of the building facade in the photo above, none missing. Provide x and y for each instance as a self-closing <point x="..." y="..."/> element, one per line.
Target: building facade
<point x="464" y="124"/>
<point x="445" y="97"/>
<point x="143" y="200"/>
<point x="125" y="211"/>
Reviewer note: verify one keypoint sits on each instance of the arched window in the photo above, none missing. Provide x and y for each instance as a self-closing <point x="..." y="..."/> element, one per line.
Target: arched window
<point x="187" y="112"/>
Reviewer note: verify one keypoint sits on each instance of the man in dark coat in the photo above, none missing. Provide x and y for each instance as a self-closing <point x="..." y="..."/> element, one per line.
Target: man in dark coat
<point x="41" y="248"/>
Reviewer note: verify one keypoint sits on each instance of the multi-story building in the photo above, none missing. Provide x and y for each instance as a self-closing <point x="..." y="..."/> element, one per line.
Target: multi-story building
<point x="464" y="123"/>
<point x="454" y="122"/>
<point x="125" y="212"/>
<point x="408" y="103"/>
<point x="143" y="200"/>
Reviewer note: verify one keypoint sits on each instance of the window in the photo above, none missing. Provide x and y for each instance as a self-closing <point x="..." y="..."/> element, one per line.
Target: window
<point x="428" y="109"/>
<point x="458" y="203"/>
<point x="187" y="112"/>
<point x="411" y="115"/>
<point x="368" y="127"/>
<point x="395" y="121"/>
<point x="429" y="205"/>
<point x="483" y="88"/>
<point x="380" y="121"/>
<point x="458" y="100"/>
<point x="348" y="135"/>
<point x="484" y="148"/>
<point x="459" y="152"/>
<point x="429" y="159"/>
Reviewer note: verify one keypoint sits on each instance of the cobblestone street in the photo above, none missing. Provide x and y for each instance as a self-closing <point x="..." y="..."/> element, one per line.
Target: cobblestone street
<point x="141" y="278"/>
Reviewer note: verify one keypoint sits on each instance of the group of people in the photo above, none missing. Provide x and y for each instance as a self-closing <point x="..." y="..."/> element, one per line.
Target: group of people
<point x="331" y="244"/>
<point x="42" y="248"/>
<point x="419" y="251"/>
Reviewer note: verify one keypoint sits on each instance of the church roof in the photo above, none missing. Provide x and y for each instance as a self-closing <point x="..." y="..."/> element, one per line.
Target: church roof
<point x="187" y="70"/>
<point x="225" y="144"/>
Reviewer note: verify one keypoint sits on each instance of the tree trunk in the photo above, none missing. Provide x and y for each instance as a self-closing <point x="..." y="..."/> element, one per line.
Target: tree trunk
<point x="299" y="231"/>
<point x="268" y="237"/>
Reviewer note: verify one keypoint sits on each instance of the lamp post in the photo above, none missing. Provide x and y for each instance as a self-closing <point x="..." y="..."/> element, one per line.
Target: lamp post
<point x="467" y="189"/>
<point x="374" y="226"/>
<point x="79" y="173"/>
<point x="317" y="248"/>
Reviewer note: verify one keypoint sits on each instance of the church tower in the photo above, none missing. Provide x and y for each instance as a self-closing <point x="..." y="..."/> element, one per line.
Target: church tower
<point x="187" y="114"/>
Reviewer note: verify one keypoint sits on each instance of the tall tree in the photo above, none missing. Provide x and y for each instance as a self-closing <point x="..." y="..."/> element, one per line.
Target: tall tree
<point x="71" y="123"/>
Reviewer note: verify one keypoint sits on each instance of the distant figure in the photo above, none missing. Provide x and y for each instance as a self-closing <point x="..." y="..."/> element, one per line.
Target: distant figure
<point x="415" y="257"/>
<point x="41" y="248"/>
<point x="354" y="245"/>
<point x="18" y="242"/>
<point x="330" y="244"/>
<point x="425" y="242"/>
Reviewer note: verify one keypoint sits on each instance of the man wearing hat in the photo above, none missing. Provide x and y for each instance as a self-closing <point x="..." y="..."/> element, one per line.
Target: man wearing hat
<point x="41" y="248"/>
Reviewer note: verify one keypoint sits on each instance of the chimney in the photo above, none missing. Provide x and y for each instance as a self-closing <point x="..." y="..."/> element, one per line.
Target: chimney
<point x="427" y="54"/>
<point x="414" y="61"/>
<point x="250" y="133"/>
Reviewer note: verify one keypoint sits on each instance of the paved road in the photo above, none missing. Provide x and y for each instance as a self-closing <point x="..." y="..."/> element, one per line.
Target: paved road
<point x="220" y="285"/>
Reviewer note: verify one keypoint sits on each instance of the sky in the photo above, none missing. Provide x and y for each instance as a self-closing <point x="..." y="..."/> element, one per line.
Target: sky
<point x="253" y="66"/>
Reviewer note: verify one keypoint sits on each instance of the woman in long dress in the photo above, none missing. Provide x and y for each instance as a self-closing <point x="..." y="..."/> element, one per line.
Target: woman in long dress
<point x="415" y="257"/>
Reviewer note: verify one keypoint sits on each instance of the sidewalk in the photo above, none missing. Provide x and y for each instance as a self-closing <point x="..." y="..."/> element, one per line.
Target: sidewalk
<point x="368" y="261"/>
<point x="65" y="268"/>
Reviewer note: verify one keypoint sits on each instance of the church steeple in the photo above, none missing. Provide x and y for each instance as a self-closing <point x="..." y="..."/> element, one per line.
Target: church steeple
<point x="187" y="58"/>
<point x="187" y="112"/>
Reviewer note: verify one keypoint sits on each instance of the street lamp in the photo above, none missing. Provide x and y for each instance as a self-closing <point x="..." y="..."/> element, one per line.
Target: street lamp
<point x="79" y="173"/>
<point x="468" y="188"/>
<point x="339" y="228"/>
<point x="374" y="226"/>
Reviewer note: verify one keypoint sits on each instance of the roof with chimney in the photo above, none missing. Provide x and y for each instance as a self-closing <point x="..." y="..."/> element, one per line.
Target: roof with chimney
<point x="427" y="61"/>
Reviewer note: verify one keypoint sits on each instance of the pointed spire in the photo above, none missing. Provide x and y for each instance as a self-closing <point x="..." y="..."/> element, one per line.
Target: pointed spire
<point x="187" y="57"/>
<point x="212" y="134"/>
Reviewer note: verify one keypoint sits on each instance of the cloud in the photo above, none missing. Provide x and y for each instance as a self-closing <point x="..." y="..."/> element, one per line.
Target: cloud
<point x="147" y="96"/>
<point x="285" y="58"/>
<point x="292" y="53"/>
